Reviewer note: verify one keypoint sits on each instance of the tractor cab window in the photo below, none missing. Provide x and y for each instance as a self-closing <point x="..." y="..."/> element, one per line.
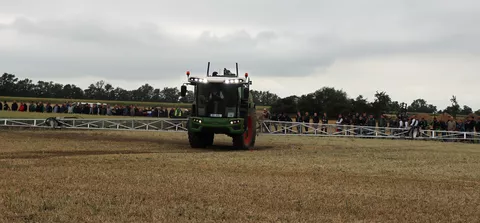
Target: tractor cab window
<point x="217" y="100"/>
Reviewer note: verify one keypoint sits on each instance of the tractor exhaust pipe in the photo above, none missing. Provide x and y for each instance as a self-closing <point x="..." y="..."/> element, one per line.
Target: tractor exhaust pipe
<point x="208" y="68"/>
<point x="236" y="64"/>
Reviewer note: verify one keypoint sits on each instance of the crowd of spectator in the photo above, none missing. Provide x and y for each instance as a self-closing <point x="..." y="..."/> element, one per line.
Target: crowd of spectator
<point x="469" y="124"/>
<point x="95" y="109"/>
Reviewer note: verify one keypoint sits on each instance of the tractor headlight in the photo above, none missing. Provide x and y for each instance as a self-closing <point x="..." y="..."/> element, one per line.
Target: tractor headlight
<point x="197" y="120"/>
<point x="233" y="122"/>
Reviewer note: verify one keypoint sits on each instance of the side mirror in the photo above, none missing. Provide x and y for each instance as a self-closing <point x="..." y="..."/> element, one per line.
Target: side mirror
<point x="246" y="93"/>
<point x="183" y="91"/>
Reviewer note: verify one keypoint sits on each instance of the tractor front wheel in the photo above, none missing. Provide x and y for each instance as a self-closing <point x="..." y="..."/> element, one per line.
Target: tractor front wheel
<point x="247" y="139"/>
<point x="209" y="137"/>
<point x="196" y="140"/>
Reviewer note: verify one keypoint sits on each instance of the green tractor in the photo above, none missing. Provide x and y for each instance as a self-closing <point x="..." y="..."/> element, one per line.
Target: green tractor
<point x="222" y="105"/>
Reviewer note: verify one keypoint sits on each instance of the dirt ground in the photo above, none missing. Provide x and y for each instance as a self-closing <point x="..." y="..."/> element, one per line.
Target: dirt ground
<point x="80" y="176"/>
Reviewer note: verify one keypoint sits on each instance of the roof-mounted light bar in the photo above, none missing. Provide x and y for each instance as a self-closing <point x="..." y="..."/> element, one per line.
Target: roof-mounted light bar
<point x="199" y="80"/>
<point x="233" y="81"/>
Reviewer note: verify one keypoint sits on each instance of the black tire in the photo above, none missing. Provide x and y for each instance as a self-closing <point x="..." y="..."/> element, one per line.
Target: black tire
<point x="209" y="137"/>
<point x="196" y="140"/>
<point x="238" y="142"/>
<point x="247" y="139"/>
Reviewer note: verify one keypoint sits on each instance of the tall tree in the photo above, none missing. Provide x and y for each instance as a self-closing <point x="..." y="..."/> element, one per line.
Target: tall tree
<point x="381" y="103"/>
<point x="454" y="109"/>
<point x="8" y="84"/>
<point x="331" y="101"/>
<point x="466" y="110"/>
<point x="420" y="105"/>
<point x="360" y="105"/>
<point x="170" y="94"/>
<point x="287" y="105"/>
<point x="25" y="88"/>
<point x="264" y="97"/>
<point x="72" y="92"/>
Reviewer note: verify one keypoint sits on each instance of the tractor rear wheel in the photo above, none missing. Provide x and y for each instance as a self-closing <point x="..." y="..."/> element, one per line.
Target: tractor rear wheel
<point x="247" y="139"/>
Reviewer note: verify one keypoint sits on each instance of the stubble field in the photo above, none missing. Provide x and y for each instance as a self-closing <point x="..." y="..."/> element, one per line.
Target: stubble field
<point x="93" y="176"/>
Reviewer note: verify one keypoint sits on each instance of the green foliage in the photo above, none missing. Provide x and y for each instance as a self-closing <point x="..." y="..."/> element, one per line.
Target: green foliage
<point x="421" y="106"/>
<point x="264" y="97"/>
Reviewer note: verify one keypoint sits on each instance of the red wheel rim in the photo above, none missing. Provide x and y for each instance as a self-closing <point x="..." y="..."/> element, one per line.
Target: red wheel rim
<point x="247" y="136"/>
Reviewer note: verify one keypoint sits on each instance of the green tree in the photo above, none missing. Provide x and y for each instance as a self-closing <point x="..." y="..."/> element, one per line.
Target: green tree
<point x="454" y="109"/>
<point x="287" y="105"/>
<point x="381" y="104"/>
<point x="420" y="105"/>
<point x="170" y="95"/>
<point x="8" y="84"/>
<point x="360" y="105"/>
<point x="466" y="110"/>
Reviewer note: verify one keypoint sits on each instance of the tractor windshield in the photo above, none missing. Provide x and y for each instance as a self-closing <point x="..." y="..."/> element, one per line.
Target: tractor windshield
<point x="218" y="100"/>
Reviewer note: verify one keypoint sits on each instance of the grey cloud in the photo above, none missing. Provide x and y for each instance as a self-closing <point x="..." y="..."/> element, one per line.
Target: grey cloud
<point x="125" y="40"/>
<point x="116" y="53"/>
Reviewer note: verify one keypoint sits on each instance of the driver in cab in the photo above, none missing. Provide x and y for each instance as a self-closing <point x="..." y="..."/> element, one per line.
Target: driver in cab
<point x="216" y="95"/>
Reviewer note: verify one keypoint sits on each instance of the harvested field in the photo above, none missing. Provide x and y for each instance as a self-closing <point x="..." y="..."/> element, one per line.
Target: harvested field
<point x="80" y="176"/>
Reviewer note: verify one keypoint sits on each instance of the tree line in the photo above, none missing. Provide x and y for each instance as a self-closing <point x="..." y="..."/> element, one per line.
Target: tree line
<point x="12" y="86"/>
<point x="327" y="99"/>
<point x="333" y="102"/>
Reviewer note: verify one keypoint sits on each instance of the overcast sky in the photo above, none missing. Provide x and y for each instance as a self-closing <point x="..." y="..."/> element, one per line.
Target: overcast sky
<point x="410" y="49"/>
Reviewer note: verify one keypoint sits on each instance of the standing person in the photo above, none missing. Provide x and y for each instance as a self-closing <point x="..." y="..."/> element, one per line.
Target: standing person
<point x="346" y="123"/>
<point x="382" y="123"/>
<point x="339" y="122"/>
<point x="423" y="125"/>
<point x="316" y="120"/>
<point x="289" y="120"/>
<point x="32" y="107"/>
<point x="298" y="120"/>
<point x="14" y="106"/>
<point x="451" y="126"/>
<point x="324" y="123"/>
<point x="435" y="126"/>
<point x="306" y="120"/>
<point x="413" y="131"/>
<point x="6" y="107"/>
<point x="371" y="123"/>
<point x="470" y="126"/>
<point x="274" y="118"/>
<point x="400" y="124"/>
<point x="266" y="116"/>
